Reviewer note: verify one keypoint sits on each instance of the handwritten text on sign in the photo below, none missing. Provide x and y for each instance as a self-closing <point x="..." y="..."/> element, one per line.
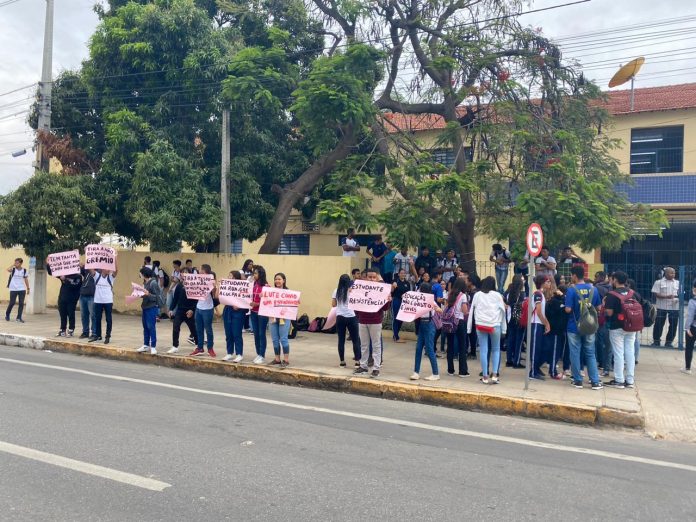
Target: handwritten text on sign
<point x="415" y="305"/>
<point x="368" y="296"/>
<point x="64" y="263"/>
<point x="236" y="292"/>
<point x="136" y="294"/>
<point x="100" y="257"/>
<point x="198" y="286"/>
<point x="279" y="303"/>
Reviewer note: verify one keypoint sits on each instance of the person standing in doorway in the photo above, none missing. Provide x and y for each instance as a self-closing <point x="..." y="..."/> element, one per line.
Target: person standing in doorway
<point x="18" y="283"/>
<point x="377" y="250"/>
<point x="349" y="245"/>
<point x="666" y="293"/>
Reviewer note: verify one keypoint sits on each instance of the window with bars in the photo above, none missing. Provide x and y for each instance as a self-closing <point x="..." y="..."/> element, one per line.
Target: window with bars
<point x="656" y="150"/>
<point x="446" y="156"/>
<point x="294" y="245"/>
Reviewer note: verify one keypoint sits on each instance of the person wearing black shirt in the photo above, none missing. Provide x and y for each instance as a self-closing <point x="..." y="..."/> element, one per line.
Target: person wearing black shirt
<point x="557" y="340"/>
<point x="185" y="311"/>
<point x="68" y="297"/>
<point x="622" y="342"/>
<point x="399" y="288"/>
<point x="425" y="261"/>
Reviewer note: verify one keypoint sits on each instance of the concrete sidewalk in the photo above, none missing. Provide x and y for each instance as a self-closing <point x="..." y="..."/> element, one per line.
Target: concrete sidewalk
<point x="667" y="396"/>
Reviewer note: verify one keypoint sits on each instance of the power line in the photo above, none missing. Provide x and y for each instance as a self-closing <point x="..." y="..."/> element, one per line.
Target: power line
<point x="18" y="88"/>
<point x="8" y="2"/>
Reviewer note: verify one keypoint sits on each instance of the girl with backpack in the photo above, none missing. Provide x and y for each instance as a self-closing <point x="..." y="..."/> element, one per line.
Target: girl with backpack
<point x="345" y="320"/>
<point x="259" y="323"/>
<point x="454" y="327"/>
<point x="426" y="340"/>
<point x="150" y="310"/>
<point x="488" y="311"/>
<point x="280" y="328"/>
<point x="514" y="298"/>
<point x="103" y="302"/>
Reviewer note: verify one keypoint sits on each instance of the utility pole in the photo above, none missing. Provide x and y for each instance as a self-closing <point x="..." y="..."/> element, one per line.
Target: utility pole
<point x="36" y="302"/>
<point x="225" y="232"/>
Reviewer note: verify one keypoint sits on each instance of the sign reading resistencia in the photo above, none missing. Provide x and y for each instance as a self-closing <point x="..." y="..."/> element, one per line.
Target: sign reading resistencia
<point x="535" y="239"/>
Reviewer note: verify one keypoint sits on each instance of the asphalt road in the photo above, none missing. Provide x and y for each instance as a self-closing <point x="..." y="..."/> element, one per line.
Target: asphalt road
<point x="91" y="439"/>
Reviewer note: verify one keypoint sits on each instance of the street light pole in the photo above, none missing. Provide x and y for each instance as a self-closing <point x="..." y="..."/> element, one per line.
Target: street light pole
<point x="225" y="232"/>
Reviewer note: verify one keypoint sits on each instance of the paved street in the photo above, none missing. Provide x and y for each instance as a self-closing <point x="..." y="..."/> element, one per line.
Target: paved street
<point x="173" y="445"/>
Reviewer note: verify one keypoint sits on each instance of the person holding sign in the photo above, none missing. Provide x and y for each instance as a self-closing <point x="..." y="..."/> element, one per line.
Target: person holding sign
<point x="280" y="329"/>
<point x="68" y="296"/>
<point x="233" y="320"/>
<point x="488" y="311"/>
<point x="205" y="309"/>
<point x="426" y="340"/>
<point x="259" y="323"/>
<point x="103" y="302"/>
<point x="371" y="332"/>
<point x="152" y="299"/>
<point x="458" y="301"/>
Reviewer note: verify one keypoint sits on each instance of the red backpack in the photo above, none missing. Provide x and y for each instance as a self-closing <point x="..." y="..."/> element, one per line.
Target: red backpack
<point x="631" y="315"/>
<point x="525" y="311"/>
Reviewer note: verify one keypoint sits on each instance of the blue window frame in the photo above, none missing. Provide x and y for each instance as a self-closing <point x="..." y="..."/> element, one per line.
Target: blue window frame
<point x="446" y="156"/>
<point x="658" y="149"/>
<point x="294" y="245"/>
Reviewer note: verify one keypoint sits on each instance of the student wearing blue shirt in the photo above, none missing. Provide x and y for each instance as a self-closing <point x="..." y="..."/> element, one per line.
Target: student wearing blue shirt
<point x="438" y="290"/>
<point x="582" y="347"/>
<point x="377" y="251"/>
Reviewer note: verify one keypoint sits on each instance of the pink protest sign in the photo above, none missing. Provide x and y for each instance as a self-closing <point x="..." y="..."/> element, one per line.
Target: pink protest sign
<point x="330" y="319"/>
<point x="101" y="257"/>
<point x="368" y="296"/>
<point x="198" y="286"/>
<point x="415" y="305"/>
<point x="136" y="294"/>
<point x="279" y="303"/>
<point x="236" y="292"/>
<point x="64" y="263"/>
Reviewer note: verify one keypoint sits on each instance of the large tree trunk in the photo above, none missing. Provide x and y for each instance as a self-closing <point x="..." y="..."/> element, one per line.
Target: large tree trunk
<point x="293" y="192"/>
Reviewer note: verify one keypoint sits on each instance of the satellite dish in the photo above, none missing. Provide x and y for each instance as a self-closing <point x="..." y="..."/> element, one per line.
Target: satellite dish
<point x="627" y="72"/>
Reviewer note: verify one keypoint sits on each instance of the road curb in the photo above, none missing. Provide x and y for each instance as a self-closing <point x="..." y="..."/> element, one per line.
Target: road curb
<point x="458" y="399"/>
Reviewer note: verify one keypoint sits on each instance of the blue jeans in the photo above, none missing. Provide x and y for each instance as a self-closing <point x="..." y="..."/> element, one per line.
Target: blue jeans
<point x="623" y="345"/>
<point x="107" y="309"/>
<point x="204" y="328"/>
<point x="233" y="321"/>
<point x="150" y="326"/>
<point x="426" y="340"/>
<point x="396" y="325"/>
<point x="87" y="314"/>
<point x="259" y="324"/>
<point x="500" y="278"/>
<point x="279" y="336"/>
<point x="484" y="339"/>
<point x="637" y="345"/>
<point x="582" y="350"/>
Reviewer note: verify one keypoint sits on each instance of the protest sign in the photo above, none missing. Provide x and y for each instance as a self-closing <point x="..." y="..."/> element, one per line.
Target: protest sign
<point x="368" y="296"/>
<point x="136" y="294"/>
<point x="236" y="292"/>
<point x="100" y="257"/>
<point x="415" y="305"/>
<point x="64" y="263"/>
<point x="279" y="303"/>
<point x="198" y="286"/>
<point x="330" y="319"/>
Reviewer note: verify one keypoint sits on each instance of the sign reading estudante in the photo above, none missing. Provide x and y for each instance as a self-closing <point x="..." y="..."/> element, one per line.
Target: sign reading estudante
<point x="236" y="292"/>
<point x="368" y="296"/>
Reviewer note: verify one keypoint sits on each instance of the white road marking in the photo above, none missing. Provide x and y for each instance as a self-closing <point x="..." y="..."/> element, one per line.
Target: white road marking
<point x="84" y="467"/>
<point x="375" y="418"/>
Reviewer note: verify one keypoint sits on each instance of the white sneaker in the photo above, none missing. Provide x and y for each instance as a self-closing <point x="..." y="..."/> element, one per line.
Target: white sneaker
<point x="173" y="349"/>
<point x="153" y="351"/>
<point x="228" y="357"/>
<point x="433" y="378"/>
<point x="414" y="376"/>
<point x="259" y="360"/>
<point x="143" y="349"/>
<point x="238" y="359"/>
<point x="684" y="370"/>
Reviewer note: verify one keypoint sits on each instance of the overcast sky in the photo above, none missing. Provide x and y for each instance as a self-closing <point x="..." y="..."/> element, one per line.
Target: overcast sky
<point x="668" y="50"/>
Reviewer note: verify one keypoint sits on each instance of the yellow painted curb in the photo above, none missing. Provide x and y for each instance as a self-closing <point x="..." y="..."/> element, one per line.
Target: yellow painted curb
<point x="459" y="399"/>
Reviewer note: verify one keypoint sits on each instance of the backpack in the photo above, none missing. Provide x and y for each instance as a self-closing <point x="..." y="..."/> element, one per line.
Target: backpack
<point x="107" y="280"/>
<point x="631" y="315"/>
<point x="437" y="320"/>
<point x="649" y="313"/>
<point x="316" y="324"/>
<point x="293" y="330"/>
<point x="9" y="279"/>
<point x="302" y="323"/>
<point x="524" y="311"/>
<point x="587" y="322"/>
<point x="517" y="312"/>
<point x="157" y="293"/>
<point x="165" y="276"/>
<point x="450" y="321"/>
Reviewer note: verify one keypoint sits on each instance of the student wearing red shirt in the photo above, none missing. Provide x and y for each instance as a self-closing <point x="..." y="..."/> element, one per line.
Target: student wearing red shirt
<point x="371" y="331"/>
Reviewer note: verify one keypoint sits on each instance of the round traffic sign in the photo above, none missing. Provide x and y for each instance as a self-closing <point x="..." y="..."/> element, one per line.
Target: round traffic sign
<point x="535" y="239"/>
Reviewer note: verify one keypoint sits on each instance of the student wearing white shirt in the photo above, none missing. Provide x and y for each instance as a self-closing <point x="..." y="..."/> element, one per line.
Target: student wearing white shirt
<point x="103" y="302"/>
<point x="666" y="293"/>
<point x="488" y="310"/>
<point x="350" y="246"/>
<point x="345" y="320"/>
<point x="545" y="264"/>
<point x="18" y="284"/>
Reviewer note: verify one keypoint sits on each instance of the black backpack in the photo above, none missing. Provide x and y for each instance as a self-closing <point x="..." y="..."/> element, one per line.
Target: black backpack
<point x="9" y="279"/>
<point x="165" y="276"/>
<point x="302" y="323"/>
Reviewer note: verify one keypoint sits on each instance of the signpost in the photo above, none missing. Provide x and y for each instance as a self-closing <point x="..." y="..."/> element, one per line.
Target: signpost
<point x="535" y="240"/>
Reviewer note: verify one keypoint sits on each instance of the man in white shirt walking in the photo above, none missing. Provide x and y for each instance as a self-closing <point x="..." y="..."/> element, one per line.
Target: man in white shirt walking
<point x="18" y="283"/>
<point x="350" y="246"/>
<point x="666" y="293"/>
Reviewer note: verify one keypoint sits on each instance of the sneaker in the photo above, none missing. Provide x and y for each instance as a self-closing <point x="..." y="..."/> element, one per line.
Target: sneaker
<point x="462" y="375"/>
<point x="450" y="373"/>
<point x="342" y="364"/>
<point x="616" y="384"/>
<point x="495" y="380"/>
<point x="557" y="377"/>
<point x="669" y="345"/>
<point x="94" y="338"/>
<point x="212" y="353"/>
<point x="655" y="343"/>
<point x="7" y="318"/>
<point x="275" y="363"/>
<point x="519" y="366"/>
<point x="84" y="336"/>
<point x="370" y="362"/>
<point x="605" y="373"/>
<point x="597" y="386"/>
<point x="509" y="364"/>
<point x="630" y="385"/>
<point x="107" y="339"/>
<point x="60" y="334"/>
<point x="360" y="370"/>
<point x="686" y="371"/>
<point x="577" y="384"/>
<point x="144" y="348"/>
<point x="567" y="373"/>
<point x="484" y="380"/>
<point x="70" y="333"/>
<point x="19" y="320"/>
<point x="537" y="377"/>
<point x="259" y="360"/>
<point x="191" y="341"/>
<point x="173" y="350"/>
<point x="433" y="378"/>
<point x="153" y="351"/>
<point x="414" y="376"/>
<point x="238" y="359"/>
<point x="228" y="357"/>
<point x="375" y="373"/>
<point x="357" y="364"/>
<point x="196" y="352"/>
<point x="284" y="364"/>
